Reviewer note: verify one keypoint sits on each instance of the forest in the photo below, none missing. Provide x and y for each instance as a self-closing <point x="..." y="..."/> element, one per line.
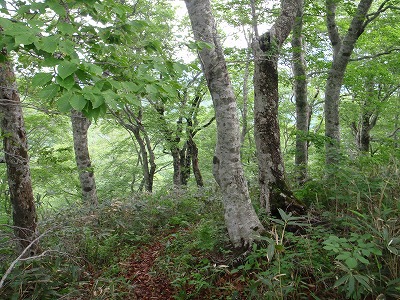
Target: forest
<point x="200" y="149"/>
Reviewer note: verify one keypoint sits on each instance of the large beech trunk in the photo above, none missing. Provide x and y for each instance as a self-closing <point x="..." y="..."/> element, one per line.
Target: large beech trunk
<point x="274" y="192"/>
<point x="342" y="50"/>
<point x="300" y="93"/>
<point x="80" y="126"/>
<point x="241" y="220"/>
<point x="17" y="160"/>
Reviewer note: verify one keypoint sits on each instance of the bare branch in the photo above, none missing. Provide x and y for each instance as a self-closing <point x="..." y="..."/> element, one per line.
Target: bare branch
<point x="387" y="52"/>
<point x="20" y="258"/>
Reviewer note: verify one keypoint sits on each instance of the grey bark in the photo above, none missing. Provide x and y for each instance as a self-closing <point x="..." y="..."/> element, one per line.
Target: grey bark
<point x="241" y="220"/>
<point x="274" y="192"/>
<point x="300" y="93"/>
<point x="80" y="126"/>
<point x="17" y="159"/>
<point x="133" y="123"/>
<point x="342" y="49"/>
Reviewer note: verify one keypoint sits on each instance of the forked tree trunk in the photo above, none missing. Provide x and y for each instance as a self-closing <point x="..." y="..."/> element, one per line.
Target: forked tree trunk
<point x="241" y="220"/>
<point x="80" y="126"/>
<point x="274" y="192"/>
<point x="300" y="94"/>
<point x="17" y="159"/>
<point x="342" y="50"/>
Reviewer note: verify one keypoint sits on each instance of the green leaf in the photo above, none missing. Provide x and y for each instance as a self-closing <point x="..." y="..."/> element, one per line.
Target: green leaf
<point x="77" y="101"/>
<point x="50" y="91"/>
<point x="48" y="44"/>
<point x="41" y="79"/>
<point x="66" y="28"/>
<point x="270" y="251"/>
<point x="110" y="97"/>
<point x="66" y="68"/>
<point x="63" y="104"/>
<point x="67" y="47"/>
<point x="341" y="280"/>
<point x="66" y="83"/>
<point x="152" y="88"/>
<point x="26" y="38"/>
<point x="361" y="258"/>
<point x="92" y="68"/>
<point x="351" y="262"/>
<point x="343" y="256"/>
<point x="57" y="8"/>
<point x="97" y="100"/>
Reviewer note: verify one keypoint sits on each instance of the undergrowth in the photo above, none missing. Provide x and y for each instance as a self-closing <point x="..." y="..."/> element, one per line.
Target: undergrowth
<point x="346" y="247"/>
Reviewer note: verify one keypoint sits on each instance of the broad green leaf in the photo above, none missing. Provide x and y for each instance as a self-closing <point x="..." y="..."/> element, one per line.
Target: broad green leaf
<point x="78" y="102"/>
<point x="67" y="47"/>
<point x="92" y="68"/>
<point x="67" y="82"/>
<point x="351" y="262"/>
<point x="41" y="79"/>
<point x="49" y="44"/>
<point x="57" y="8"/>
<point x="270" y="251"/>
<point x="49" y="61"/>
<point x="110" y="97"/>
<point x="131" y="86"/>
<point x="364" y="281"/>
<point x="152" y="88"/>
<point x="341" y="280"/>
<point x="63" y="104"/>
<point x="5" y="23"/>
<point x="66" y="28"/>
<point x="361" y="258"/>
<point x="97" y="100"/>
<point x="66" y="68"/>
<point x="25" y="38"/>
<point x="343" y="256"/>
<point x="50" y="91"/>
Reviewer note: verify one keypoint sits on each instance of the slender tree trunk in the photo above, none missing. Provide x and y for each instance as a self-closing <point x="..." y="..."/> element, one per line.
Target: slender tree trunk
<point x="176" y="161"/>
<point x="342" y="51"/>
<point x="134" y="125"/>
<point x="274" y="192"/>
<point x="147" y="173"/>
<point x="241" y="220"/>
<point x="80" y="126"/>
<point x="17" y="159"/>
<point x="194" y="151"/>
<point x="300" y="93"/>
<point x="185" y="162"/>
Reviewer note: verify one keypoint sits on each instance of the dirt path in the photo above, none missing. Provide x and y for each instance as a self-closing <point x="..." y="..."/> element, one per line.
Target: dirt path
<point x="148" y="286"/>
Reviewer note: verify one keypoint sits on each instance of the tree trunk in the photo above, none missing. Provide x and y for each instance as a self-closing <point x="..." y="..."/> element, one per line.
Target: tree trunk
<point x="342" y="51"/>
<point x="194" y="151"/>
<point x="80" y="126"/>
<point x="241" y="220"/>
<point x="185" y="162"/>
<point x="133" y="124"/>
<point x="17" y="159"/>
<point x="274" y="192"/>
<point x="300" y="93"/>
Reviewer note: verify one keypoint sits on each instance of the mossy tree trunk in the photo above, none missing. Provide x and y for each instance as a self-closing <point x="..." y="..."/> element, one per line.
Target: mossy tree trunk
<point x="17" y="159"/>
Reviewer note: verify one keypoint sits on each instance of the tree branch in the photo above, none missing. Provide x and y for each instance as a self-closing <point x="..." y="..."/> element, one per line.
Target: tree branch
<point x="20" y="258"/>
<point x="375" y="55"/>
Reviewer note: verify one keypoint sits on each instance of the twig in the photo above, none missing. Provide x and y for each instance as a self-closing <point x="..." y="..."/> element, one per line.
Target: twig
<point x="19" y="258"/>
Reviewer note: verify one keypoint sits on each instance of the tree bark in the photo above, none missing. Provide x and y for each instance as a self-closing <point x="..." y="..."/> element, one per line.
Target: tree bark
<point x="300" y="93"/>
<point x="133" y="124"/>
<point x="274" y="192"/>
<point x="17" y="159"/>
<point x="342" y="50"/>
<point x="241" y="220"/>
<point x="80" y="126"/>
